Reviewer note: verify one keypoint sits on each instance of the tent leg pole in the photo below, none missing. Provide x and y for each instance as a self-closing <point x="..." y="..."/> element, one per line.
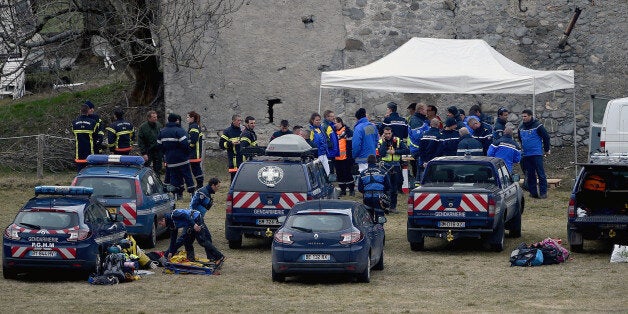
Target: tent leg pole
<point x="320" y="98"/>
<point x="575" y="143"/>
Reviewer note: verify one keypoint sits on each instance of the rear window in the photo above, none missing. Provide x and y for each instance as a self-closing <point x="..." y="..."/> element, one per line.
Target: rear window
<point x="109" y="187"/>
<point x="319" y="223"/>
<point x="268" y="177"/>
<point x="459" y="173"/>
<point x="605" y="179"/>
<point x="47" y="219"/>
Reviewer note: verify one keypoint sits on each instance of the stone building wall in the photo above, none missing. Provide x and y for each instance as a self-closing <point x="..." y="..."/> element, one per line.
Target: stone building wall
<point x="274" y="52"/>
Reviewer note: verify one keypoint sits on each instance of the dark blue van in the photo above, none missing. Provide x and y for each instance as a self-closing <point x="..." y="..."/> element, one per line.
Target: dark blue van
<point x="268" y="186"/>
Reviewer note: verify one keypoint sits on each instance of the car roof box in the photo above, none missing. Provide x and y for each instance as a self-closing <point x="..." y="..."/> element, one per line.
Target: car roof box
<point x="290" y="145"/>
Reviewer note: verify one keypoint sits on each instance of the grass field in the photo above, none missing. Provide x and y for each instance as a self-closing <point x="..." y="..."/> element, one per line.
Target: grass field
<point x="448" y="277"/>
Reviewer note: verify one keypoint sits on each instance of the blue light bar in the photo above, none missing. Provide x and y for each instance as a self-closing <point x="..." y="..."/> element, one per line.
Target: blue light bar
<point x="63" y="190"/>
<point x="115" y="159"/>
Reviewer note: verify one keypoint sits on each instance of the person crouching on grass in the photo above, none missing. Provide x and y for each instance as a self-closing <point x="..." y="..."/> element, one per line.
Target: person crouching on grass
<point x="194" y="228"/>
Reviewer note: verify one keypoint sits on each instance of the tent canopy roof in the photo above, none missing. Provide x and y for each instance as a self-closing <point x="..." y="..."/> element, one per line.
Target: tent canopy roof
<point x="452" y="66"/>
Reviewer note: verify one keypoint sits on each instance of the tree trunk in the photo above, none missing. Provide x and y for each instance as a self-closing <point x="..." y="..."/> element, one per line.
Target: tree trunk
<point x="148" y="81"/>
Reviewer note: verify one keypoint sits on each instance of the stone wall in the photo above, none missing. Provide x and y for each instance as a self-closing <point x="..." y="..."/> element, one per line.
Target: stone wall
<point x="272" y="56"/>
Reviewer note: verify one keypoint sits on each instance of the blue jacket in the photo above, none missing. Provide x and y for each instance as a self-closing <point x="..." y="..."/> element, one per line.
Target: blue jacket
<point x="202" y="200"/>
<point x="417" y="120"/>
<point x="449" y="143"/>
<point x="374" y="182"/>
<point x="279" y="133"/>
<point x="365" y="139"/>
<point x="319" y="139"/>
<point x="175" y="145"/>
<point x="181" y="218"/>
<point x="332" y="139"/>
<point x="414" y="138"/>
<point x="429" y="146"/>
<point x="498" y="130"/>
<point x="397" y="124"/>
<point x="466" y="123"/>
<point x="469" y="145"/>
<point x="534" y="138"/>
<point x="507" y="149"/>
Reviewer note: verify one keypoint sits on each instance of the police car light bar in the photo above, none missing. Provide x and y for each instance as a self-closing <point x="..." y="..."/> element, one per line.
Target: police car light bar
<point x="63" y="190"/>
<point x="115" y="159"/>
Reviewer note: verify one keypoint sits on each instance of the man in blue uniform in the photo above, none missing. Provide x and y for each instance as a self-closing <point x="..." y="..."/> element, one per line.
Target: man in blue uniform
<point x="429" y="146"/>
<point x="374" y="184"/>
<point x="175" y="144"/>
<point x="202" y="199"/>
<point x="482" y="132"/>
<point x="535" y="141"/>
<point x="449" y="138"/>
<point x="194" y="228"/>
<point x="395" y="122"/>
<point x="120" y="134"/>
<point x="500" y="123"/>
<point x="365" y="138"/>
<point x="506" y="148"/>
<point x="468" y="144"/>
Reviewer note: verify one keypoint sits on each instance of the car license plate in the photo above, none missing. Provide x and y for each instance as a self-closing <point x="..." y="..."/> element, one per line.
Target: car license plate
<point x="112" y="210"/>
<point x="451" y="224"/>
<point x="317" y="257"/>
<point x="267" y="222"/>
<point x="43" y="253"/>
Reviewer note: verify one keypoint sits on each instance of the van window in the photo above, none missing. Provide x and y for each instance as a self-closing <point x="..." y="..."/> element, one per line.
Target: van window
<point x="281" y="178"/>
<point x="108" y="187"/>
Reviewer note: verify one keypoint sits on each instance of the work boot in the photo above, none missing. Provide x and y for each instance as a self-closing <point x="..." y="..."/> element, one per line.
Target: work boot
<point x="342" y="193"/>
<point x="351" y="193"/>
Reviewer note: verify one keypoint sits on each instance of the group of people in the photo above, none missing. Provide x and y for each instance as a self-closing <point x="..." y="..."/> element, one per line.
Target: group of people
<point x="180" y="150"/>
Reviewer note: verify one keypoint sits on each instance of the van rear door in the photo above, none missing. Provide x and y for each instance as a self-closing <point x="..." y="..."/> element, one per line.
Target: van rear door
<point x="596" y="117"/>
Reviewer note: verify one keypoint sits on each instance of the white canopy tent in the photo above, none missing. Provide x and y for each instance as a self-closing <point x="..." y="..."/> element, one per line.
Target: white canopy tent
<point x="449" y="66"/>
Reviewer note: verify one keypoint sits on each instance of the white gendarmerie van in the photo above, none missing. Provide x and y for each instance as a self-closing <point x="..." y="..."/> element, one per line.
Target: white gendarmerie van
<point x="614" y="135"/>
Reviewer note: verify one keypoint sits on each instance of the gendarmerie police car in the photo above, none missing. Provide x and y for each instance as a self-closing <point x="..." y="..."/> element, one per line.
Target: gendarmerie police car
<point x="126" y="187"/>
<point x="268" y="185"/>
<point x="62" y="227"/>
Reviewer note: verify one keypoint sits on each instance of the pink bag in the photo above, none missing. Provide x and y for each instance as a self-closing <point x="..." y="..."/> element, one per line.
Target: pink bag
<point x="556" y="243"/>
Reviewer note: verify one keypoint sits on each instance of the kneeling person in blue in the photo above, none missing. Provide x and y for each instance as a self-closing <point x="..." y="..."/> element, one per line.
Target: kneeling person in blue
<point x="202" y="199"/>
<point x="194" y="228"/>
<point x="374" y="184"/>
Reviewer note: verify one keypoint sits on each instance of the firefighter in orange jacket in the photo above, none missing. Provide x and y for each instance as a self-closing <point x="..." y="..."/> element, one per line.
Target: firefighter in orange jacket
<point x="344" y="162"/>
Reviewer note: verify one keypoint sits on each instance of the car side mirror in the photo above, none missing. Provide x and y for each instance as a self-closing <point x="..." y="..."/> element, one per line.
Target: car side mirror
<point x="381" y="220"/>
<point x="515" y="178"/>
<point x="169" y="188"/>
<point x="281" y="219"/>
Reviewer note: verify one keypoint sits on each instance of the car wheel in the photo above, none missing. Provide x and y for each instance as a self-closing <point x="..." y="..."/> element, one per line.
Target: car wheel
<point x="235" y="244"/>
<point x="515" y="226"/>
<point x="277" y="277"/>
<point x="380" y="263"/>
<point x="575" y="241"/>
<point x="365" y="276"/>
<point x="151" y="239"/>
<point x="496" y="240"/>
<point x="8" y="273"/>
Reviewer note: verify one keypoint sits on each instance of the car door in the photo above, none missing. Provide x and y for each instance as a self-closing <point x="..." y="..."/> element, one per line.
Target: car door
<point x="509" y="190"/>
<point x="370" y="229"/>
<point x="158" y="201"/>
<point x="326" y="187"/>
<point x="105" y="230"/>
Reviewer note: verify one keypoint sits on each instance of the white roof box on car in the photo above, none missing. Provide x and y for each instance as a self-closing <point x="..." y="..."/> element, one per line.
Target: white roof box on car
<point x="289" y="145"/>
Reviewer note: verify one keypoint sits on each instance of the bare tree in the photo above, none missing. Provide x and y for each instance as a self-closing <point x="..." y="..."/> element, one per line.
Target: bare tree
<point x="139" y="35"/>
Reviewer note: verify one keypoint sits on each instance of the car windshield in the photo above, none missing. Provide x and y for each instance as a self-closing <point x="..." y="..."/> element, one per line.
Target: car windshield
<point x="109" y="187"/>
<point x="318" y="222"/>
<point x="268" y="177"/>
<point x="54" y="220"/>
<point x="459" y="173"/>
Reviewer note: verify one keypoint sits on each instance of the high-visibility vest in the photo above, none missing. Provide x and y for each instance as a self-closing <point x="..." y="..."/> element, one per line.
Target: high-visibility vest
<point x="389" y="157"/>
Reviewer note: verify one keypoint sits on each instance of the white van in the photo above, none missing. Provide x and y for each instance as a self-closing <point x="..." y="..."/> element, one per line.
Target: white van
<point x="614" y="135"/>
